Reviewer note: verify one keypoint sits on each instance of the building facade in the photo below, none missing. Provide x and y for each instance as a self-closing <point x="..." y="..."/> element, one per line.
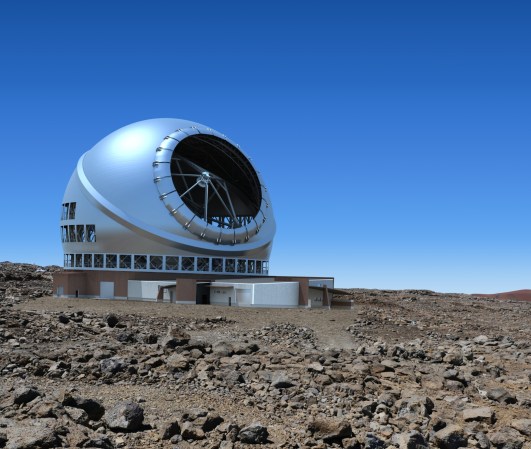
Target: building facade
<point x="169" y="201"/>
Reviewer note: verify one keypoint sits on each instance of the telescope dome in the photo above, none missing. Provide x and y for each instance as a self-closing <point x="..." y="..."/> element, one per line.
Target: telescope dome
<point x="167" y="190"/>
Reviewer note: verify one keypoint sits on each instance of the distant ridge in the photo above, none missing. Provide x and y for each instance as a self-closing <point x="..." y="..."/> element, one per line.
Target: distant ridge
<point x="519" y="295"/>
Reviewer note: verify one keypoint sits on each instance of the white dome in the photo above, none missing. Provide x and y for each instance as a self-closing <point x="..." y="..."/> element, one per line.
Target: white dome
<point x="167" y="187"/>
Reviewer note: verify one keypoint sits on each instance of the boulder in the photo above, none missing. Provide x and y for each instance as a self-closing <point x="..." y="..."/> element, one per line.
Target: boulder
<point x="125" y="416"/>
<point x="451" y="437"/>
<point x="281" y="380"/>
<point x="411" y="440"/>
<point x="484" y="414"/>
<point x="212" y="420"/>
<point x="507" y="438"/>
<point x="523" y="426"/>
<point x="315" y="367"/>
<point x="222" y="349"/>
<point x="112" y="365"/>
<point x="179" y="336"/>
<point x="254" y="434"/>
<point x="23" y="395"/>
<point x="481" y="339"/>
<point x="112" y="320"/>
<point x="63" y="319"/>
<point x="501" y="395"/>
<point x="330" y="430"/>
<point x="414" y="407"/>
<point x="33" y="434"/>
<point x="169" y="429"/>
<point x="177" y="362"/>
<point x="373" y="442"/>
<point x="77" y="415"/>
<point x="92" y="408"/>
<point x="189" y="431"/>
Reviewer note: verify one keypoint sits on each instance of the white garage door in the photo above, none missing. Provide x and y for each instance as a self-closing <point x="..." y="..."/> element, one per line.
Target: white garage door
<point x="107" y="290"/>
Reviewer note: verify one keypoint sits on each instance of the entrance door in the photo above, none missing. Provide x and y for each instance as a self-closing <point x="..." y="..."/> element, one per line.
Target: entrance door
<point x="60" y="291"/>
<point x="107" y="290"/>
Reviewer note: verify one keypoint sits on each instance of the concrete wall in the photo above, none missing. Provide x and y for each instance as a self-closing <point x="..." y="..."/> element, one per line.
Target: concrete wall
<point x="269" y="294"/>
<point x="239" y="293"/>
<point x="147" y="290"/>
<point x="219" y="295"/>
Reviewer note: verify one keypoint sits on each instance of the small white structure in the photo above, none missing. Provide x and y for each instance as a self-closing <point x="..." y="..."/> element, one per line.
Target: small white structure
<point x="257" y="294"/>
<point x="148" y="290"/>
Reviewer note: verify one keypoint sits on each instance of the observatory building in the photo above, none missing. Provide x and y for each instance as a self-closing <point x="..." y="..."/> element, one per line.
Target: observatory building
<point x="171" y="210"/>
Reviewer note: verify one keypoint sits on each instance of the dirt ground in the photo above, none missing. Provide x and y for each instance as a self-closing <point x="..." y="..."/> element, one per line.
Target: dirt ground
<point x="404" y="344"/>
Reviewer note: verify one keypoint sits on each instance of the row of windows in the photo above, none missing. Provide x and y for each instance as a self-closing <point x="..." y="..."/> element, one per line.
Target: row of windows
<point x="68" y="211"/>
<point x="78" y="233"/>
<point x="168" y="263"/>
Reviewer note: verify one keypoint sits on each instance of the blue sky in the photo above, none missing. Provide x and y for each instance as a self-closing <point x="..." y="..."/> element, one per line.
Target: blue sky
<point x="394" y="136"/>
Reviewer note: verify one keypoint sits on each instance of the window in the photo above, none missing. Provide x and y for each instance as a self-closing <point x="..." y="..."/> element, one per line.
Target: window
<point x="71" y="233"/>
<point x="265" y="267"/>
<point x="98" y="260"/>
<point x="79" y="260"/>
<point x="241" y="266"/>
<point x="229" y="265"/>
<point x="188" y="264"/>
<point x="258" y="266"/>
<point x="80" y="233"/>
<point x="69" y="259"/>
<point x="68" y="211"/>
<point x="172" y="263"/>
<point x="217" y="265"/>
<point x="250" y="266"/>
<point x="203" y="264"/>
<point x="155" y="262"/>
<point x="110" y="261"/>
<point x="125" y="261"/>
<point x="64" y="234"/>
<point x="140" y="262"/>
<point x="72" y="211"/>
<point x="87" y="260"/>
<point x="91" y="233"/>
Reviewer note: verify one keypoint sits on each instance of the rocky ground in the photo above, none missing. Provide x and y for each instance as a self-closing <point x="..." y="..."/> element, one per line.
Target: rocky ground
<point x="408" y="369"/>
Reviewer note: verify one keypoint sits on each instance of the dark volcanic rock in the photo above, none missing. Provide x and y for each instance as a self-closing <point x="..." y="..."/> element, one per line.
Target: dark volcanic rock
<point x="451" y="437"/>
<point x="93" y="408"/>
<point x="169" y="429"/>
<point x="501" y="395"/>
<point x="112" y="365"/>
<point x="330" y="430"/>
<point x="24" y="395"/>
<point x="125" y="416"/>
<point x="112" y="320"/>
<point x="281" y="380"/>
<point x="32" y="434"/>
<point x="254" y="434"/>
<point x="63" y="319"/>
<point x="507" y="438"/>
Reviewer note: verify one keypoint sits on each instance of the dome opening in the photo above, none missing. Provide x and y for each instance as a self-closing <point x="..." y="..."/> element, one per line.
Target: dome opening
<point x="216" y="181"/>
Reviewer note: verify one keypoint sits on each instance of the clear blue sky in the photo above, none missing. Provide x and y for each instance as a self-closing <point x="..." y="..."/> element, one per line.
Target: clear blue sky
<point x="394" y="136"/>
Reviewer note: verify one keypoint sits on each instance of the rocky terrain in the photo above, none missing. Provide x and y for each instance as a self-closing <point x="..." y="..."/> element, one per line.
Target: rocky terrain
<point x="408" y="369"/>
<point x="20" y="281"/>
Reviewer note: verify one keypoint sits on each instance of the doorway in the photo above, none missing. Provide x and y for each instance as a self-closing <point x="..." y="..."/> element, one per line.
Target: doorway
<point x="107" y="290"/>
